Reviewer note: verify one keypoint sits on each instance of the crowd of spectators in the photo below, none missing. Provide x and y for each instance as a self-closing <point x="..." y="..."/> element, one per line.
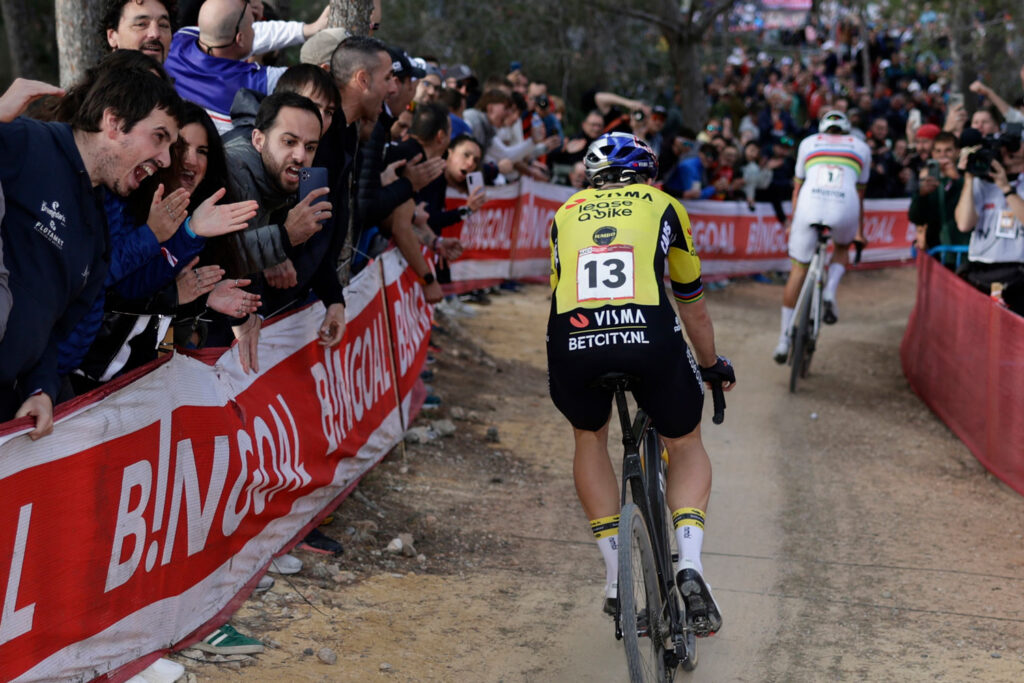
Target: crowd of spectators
<point x="161" y="198"/>
<point x="928" y="141"/>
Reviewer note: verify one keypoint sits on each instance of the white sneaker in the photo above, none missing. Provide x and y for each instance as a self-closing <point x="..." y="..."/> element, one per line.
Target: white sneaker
<point x="781" y="353"/>
<point x="265" y="584"/>
<point x="462" y="308"/>
<point x="161" y="671"/>
<point x="286" y="564"/>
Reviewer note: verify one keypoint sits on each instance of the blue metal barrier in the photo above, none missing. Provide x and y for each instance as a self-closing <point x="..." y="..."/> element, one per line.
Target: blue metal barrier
<point x="959" y="249"/>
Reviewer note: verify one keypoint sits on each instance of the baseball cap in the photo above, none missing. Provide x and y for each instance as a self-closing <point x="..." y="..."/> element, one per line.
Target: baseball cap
<point x="402" y="64"/>
<point x="459" y="72"/>
<point x="927" y="132"/>
<point x="319" y="48"/>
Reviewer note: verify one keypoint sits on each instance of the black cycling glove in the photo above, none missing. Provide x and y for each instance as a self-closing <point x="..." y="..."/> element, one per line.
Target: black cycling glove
<point x="721" y="371"/>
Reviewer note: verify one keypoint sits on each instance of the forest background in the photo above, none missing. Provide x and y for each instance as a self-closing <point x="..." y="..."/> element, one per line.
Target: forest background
<point x="660" y="51"/>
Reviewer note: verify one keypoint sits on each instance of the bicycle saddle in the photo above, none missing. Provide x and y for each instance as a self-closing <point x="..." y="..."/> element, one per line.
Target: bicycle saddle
<point x="614" y="381"/>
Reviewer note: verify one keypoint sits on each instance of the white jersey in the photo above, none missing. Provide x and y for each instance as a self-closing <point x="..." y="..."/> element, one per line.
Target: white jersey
<point x="831" y="168"/>
<point x="998" y="237"/>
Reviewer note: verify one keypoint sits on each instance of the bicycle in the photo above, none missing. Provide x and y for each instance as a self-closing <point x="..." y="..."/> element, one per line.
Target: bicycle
<point x="649" y="605"/>
<point x="807" y="316"/>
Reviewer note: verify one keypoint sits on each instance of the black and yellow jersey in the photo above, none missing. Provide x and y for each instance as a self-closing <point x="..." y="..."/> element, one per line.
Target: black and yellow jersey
<point x="608" y="248"/>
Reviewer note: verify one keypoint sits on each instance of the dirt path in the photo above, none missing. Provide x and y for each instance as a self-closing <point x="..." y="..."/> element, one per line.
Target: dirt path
<point x="862" y="542"/>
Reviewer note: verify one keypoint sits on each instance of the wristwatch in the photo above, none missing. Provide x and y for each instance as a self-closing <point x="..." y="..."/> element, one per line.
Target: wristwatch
<point x="1012" y="190"/>
<point x="465" y="212"/>
<point x="427" y="279"/>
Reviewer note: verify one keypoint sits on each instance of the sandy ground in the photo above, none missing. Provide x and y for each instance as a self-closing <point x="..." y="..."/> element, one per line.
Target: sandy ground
<point x="851" y="536"/>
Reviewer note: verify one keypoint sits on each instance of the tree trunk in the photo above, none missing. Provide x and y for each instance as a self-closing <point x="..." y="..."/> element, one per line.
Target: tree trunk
<point x="351" y="15"/>
<point x="19" y="39"/>
<point x="961" y="51"/>
<point x="684" y="54"/>
<point x="78" y="39"/>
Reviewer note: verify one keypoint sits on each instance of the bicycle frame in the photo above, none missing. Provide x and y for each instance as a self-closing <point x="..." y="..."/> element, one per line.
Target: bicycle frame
<point x="813" y="287"/>
<point x="643" y="476"/>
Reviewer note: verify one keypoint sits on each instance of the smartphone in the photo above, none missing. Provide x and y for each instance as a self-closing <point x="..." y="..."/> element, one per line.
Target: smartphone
<point x="956" y="99"/>
<point x="474" y="179"/>
<point x="312" y="178"/>
<point x="914" y="118"/>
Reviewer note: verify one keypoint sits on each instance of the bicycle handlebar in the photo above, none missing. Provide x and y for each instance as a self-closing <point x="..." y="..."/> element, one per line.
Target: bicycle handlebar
<point x="718" y="398"/>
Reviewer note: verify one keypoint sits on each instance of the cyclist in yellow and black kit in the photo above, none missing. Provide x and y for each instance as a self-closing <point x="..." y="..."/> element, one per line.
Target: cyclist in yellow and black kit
<point x="610" y="313"/>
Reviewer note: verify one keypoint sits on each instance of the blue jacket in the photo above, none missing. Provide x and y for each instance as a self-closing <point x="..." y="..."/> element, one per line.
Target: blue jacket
<point x="686" y="173"/>
<point x="213" y="81"/>
<point x="55" y="247"/>
<point x="139" y="268"/>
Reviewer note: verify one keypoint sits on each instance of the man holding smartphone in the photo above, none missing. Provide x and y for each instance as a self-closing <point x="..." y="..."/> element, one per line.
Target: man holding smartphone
<point x="269" y="167"/>
<point x="939" y="186"/>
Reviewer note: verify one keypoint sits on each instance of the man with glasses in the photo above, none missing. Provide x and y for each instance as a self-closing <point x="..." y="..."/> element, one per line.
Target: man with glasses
<point x="208" y="62"/>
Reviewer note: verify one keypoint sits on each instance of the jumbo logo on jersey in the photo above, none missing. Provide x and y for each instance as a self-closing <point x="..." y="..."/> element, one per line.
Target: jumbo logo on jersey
<point x="579" y="321"/>
<point x="605" y="236"/>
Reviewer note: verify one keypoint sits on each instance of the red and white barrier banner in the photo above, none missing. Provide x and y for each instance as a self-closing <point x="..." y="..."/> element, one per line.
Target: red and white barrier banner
<point x="730" y="238"/>
<point x="532" y="256"/>
<point x="136" y="524"/>
<point x="962" y="355"/>
<point x="486" y="236"/>
<point x="733" y="240"/>
<point x="409" y="315"/>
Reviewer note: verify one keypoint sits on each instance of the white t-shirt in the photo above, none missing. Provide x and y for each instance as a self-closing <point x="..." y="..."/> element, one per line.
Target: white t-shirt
<point x="998" y="237"/>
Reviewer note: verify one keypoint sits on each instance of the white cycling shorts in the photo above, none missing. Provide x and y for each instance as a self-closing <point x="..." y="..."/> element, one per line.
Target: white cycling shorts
<point x="803" y="239"/>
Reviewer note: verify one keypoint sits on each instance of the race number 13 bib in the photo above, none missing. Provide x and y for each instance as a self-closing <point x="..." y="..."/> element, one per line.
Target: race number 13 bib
<point x="605" y="273"/>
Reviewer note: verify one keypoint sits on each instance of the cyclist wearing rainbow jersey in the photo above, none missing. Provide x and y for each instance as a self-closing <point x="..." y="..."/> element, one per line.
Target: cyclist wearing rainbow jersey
<point x="610" y="313"/>
<point x="832" y="169"/>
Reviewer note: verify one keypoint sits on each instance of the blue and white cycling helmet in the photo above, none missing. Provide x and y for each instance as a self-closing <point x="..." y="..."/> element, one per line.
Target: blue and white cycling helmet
<point x="834" y="122"/>
<point x="616" y="157"/>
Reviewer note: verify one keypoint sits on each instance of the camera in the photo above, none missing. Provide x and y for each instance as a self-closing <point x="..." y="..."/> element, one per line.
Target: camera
<point x="933" y="168"/>
<point x="979" y="163"/>
<point x="639" y="115"/>
<point x="542" y="101"/>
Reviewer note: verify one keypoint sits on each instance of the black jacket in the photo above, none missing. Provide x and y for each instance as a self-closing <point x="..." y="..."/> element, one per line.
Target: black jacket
<point x="55" y="246"/>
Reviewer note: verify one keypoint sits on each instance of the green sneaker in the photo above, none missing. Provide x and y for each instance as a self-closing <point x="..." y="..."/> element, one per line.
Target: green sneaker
<point x="227" y="641"/>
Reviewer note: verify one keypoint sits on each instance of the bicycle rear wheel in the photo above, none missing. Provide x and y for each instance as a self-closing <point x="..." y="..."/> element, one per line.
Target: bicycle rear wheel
<point x="801" y="341"/>
<point x="640" y="600"/>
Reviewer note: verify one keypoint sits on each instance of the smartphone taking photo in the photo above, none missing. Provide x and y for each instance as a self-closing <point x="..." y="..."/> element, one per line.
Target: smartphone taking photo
<point x="312" y="178"/>
<point x="474" y="179"/>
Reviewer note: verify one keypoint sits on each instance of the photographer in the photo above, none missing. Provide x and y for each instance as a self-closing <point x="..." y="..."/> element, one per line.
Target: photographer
<point x="540" y="104"/>
<point x="938" y="190"/>
<point x="991" y="208"/>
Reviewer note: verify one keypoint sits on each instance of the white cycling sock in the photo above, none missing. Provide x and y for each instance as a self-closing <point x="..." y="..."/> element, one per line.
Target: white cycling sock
<point x="835" y="274"/>
<point x="787" y="321"/>
<point x="689" y="524"/>
<point x="609" y="546"/>
<point x="606" y="531"/>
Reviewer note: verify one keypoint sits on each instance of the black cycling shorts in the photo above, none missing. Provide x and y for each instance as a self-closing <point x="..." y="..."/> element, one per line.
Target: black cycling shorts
<point x="643" y="341"/>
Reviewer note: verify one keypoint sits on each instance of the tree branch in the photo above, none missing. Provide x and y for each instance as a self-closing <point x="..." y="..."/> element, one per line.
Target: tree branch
<point x="708" y="16"/>
<point x="664" y="23"/>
